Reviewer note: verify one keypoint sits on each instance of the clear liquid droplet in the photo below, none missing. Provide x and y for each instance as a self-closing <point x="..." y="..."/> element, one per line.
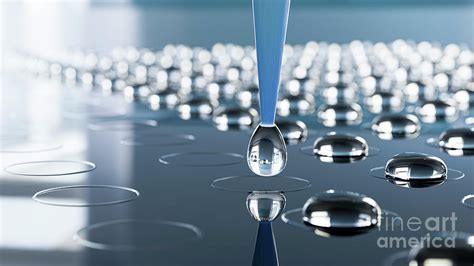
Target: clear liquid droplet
<point x="340" y="114"/>
<point x="392" y="126"/>
<point x="340" y="145"/>
<point x="267" y="154"/>
<point x="301" y="104"/>
<point x="457" y="139"/>
<point x="229" y="118"/>
<point x="438" y="110"/>
<point x="415" y="169"/>
<point x="454" y="248"/>
<point x="293" y="132"/>
<point x="384" y="101"/>
<point x="341" y="213"/>
<point x="265" y="206"/>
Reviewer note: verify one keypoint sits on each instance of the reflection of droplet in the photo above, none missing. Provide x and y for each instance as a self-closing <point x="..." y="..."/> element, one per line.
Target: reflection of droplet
<point x="267" y="153"/>
<point x="437" y="110"/>
<point x="301" y="104"/>
<point x="265" y="206"/>
<point x="86" y="195"/>
<point x="392" y="126"/>
<point x="341" y="213"/>
<point x="293" y="132"/>
<point x="195" y="107"/>
<point x="340" y="145"/>
<point x="344" y="114"/>
<point x="414" y="169"/>
<point x="50" y="168"/>
<point x="229" y="118"/>
<point x="451" y="248"/>
<point x="132" y="235"/>
<point x="457" y="139"/>
<point x="384" y="101"/>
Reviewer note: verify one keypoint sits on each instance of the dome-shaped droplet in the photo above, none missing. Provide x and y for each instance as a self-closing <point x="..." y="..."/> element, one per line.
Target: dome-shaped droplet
<point x="248" y="97"/>
<point x="437" y="110"/>
<point x="341" y="213"/>
<point x="136" y="92"/>
<point x="265" y="206"/>
<point x="195" y="107"/>
<point x="392" y="126"/>
<point x="218" y="90"/>
<point x="340" y="145"/>
<point x="457" y="139"/>
<point x="293" y="132"/>
<point x="384" y="101"/>
<point x="229" y="118"/>
<point x="341" y="113"/>
<point x="416" y="169"/>
<point x="301" y="104"/>
<point x="266" y="155"/>
<point x="163" y="100"/>
<point x="334" y="95"/>
<point x="451" y="249"/>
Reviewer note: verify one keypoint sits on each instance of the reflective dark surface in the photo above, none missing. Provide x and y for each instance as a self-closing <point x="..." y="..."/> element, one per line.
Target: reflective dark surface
<point x="61" y="121"/>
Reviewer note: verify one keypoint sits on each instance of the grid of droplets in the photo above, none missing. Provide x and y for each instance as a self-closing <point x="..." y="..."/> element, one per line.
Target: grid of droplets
<point x="380" y="75"/>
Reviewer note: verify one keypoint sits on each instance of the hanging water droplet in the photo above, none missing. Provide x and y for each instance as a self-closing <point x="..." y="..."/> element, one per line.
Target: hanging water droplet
<point x="341" y="213"/>
<point x="293" y="132"/>
<point x="412" y="169"/>
<point x="452" y="248"/>
<point x="384" y="101"/>
<point x="392" y="126"/>
<point x="266" y="155"/>
<point x="341" y="113"/>
<point x="301" y="104"/>
<point x="437" y="110"/>
<point x="457" y="139"/>
<point x="265" y="206"/>
<point x="195" y="107"/>
<point x="229" y="118"/>
<point x="344" y="146"/>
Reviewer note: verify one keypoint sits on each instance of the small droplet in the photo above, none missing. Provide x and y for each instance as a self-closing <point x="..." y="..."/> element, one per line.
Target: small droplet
<point x="266" y="155"/>
<point x="341" y="213"/>
<point x="384" y="101"/>
<point x="344" y="114"/>
<point x="265" y="206"/>
<point x="229" y="118"/>
<point x="437" y="110"/>
<point x="334" y="95"/>
<point x="196" y="107"/>
<point x="301" y="104"/>
<point x="457" y="139"/>
<point x="416" y="169"/>
<point x="293" y="132"/>
<point x="340" y="145"/>
<point x="392" y="126"/>
<point x="248" y="97"/>
<point x="451" y="248"/>
<point x="163" y="100"/>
